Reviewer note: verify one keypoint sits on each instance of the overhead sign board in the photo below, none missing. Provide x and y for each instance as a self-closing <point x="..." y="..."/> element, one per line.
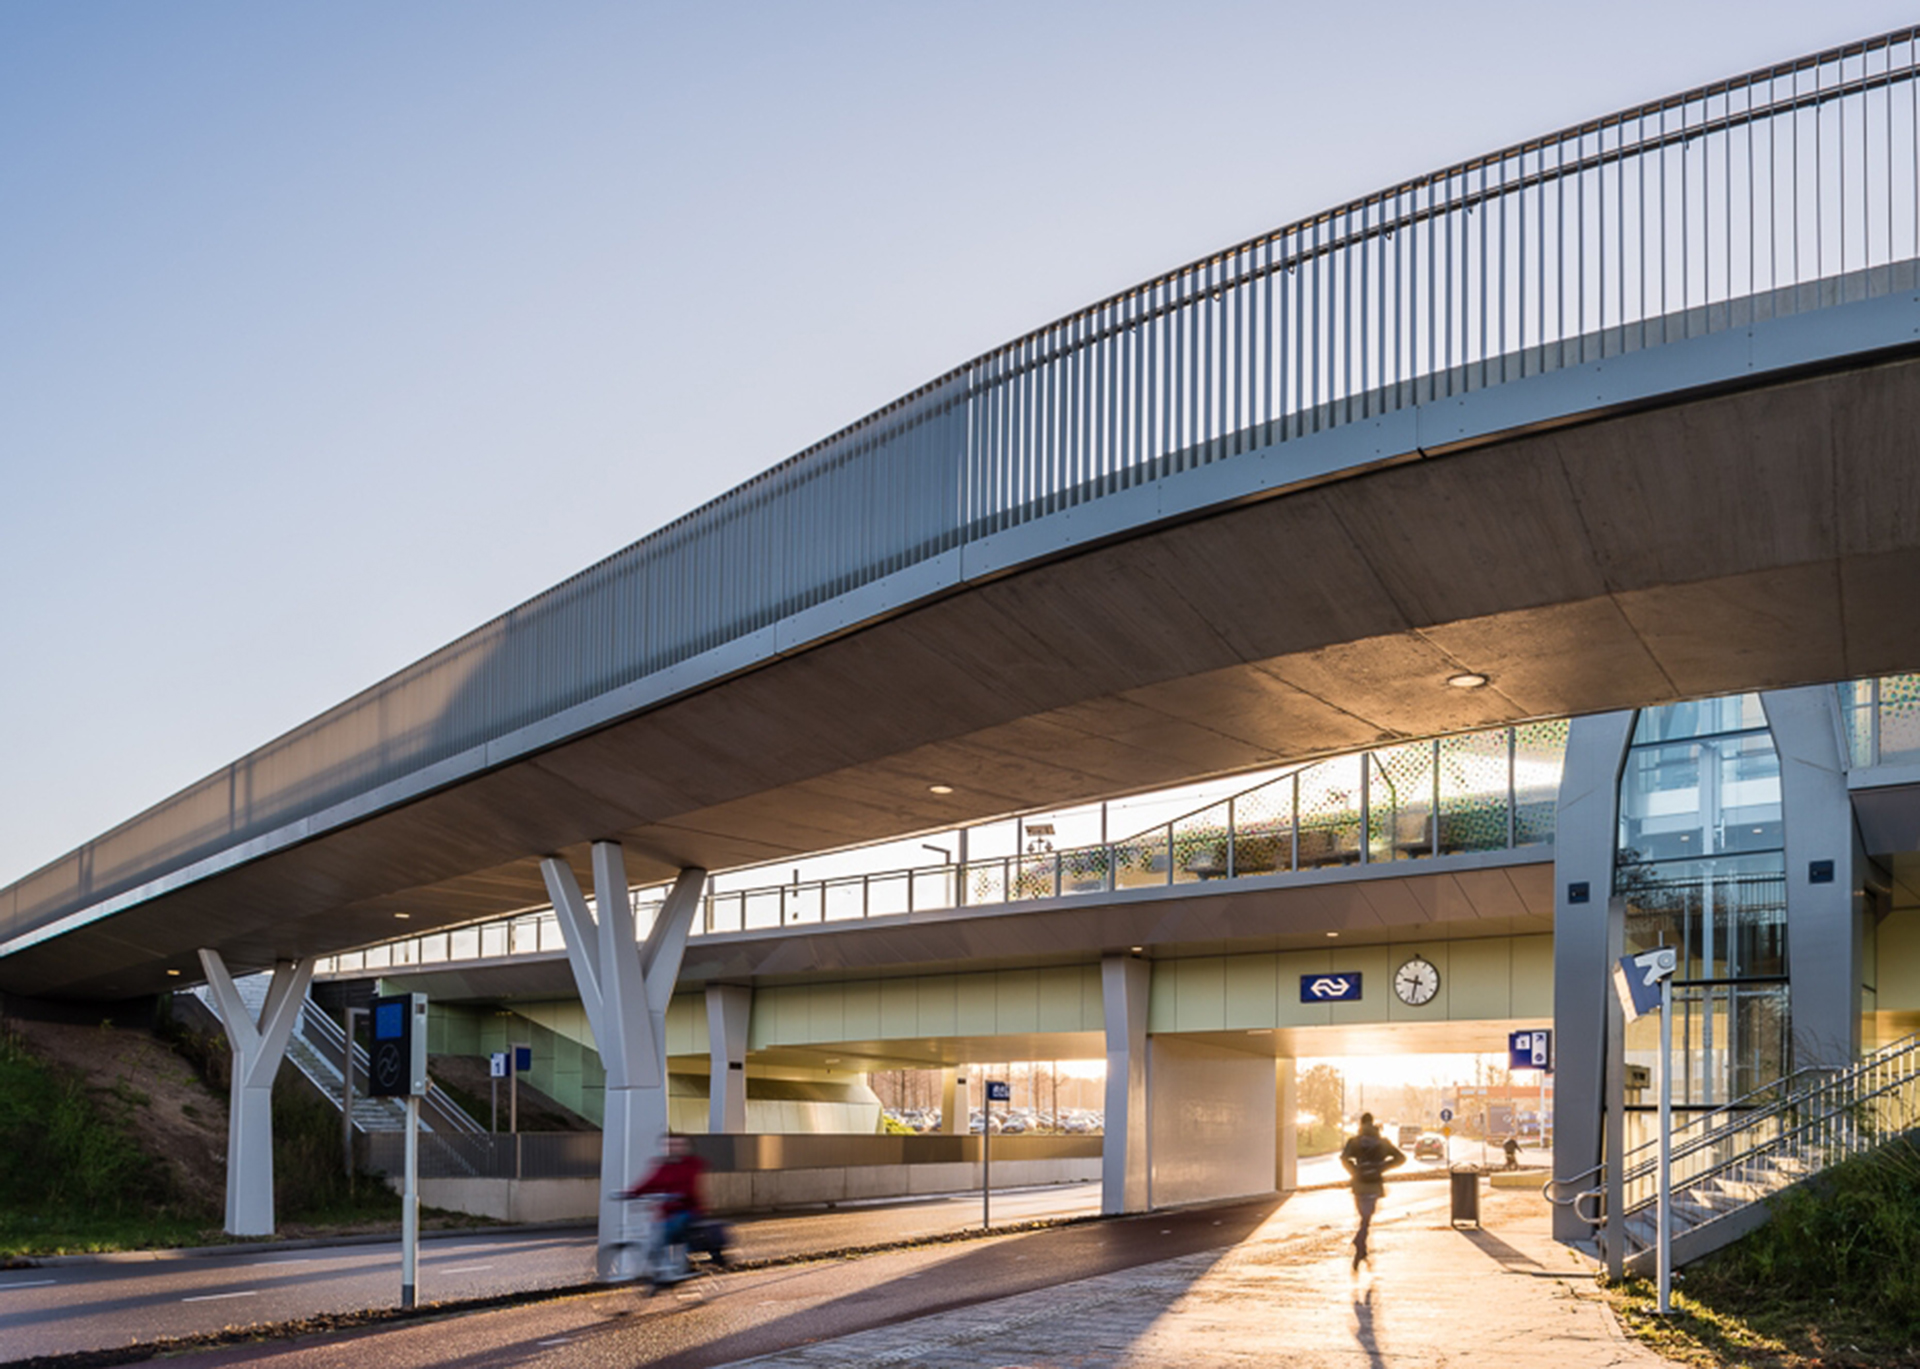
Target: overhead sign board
<point x="1530" y="1050"/>
<point x="1340" y="987"/>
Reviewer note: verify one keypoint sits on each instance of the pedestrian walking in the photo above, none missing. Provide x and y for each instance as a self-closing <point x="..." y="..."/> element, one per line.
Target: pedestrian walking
<point x="1367" y="1157"/>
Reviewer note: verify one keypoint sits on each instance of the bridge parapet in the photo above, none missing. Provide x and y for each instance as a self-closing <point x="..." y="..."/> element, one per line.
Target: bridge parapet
<point x="1791" y="189"/>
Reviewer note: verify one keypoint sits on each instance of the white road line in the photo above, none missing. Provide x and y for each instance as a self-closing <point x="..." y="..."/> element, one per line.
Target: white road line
<point x="28" y="1283"/>
<point x="464" y="1269"/>
<point x="215" y="1297"/>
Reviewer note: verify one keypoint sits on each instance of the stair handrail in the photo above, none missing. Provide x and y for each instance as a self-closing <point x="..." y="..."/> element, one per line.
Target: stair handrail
<point x="1816" y="1108"/>
<point x="1810" y="1094"/>
<point x="1739" y="1113"/>
<point x="444" y="1110"/>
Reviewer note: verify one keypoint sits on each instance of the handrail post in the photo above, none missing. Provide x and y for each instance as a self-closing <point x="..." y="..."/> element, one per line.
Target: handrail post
<point x="1233" y="837"/>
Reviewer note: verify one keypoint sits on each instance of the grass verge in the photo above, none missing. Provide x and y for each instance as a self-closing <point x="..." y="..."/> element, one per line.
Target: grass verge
<point x="1831" y="1282"/>
<point x="76" y="1178"/>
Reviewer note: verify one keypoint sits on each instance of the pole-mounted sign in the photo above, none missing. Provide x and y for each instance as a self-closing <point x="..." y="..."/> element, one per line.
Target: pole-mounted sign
<point x="1645" y="982"/>
<point x="398" y="1069"/>
<point x="1530" y="1050"/>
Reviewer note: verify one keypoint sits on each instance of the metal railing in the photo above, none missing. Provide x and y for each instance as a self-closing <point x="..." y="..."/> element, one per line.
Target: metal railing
<point x="1758" y="1145"/>
<point x="1408" y="802"/>
<point x="1786" y="189"/>
<point x="438" y="1112"/>
<point x="1483" y="791"/>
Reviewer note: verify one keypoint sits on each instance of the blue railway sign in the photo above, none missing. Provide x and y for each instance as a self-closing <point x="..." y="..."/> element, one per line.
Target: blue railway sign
<point x="1341" y="987"/>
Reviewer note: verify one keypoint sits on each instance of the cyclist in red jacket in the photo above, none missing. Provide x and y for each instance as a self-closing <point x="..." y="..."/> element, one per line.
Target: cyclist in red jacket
<point x="675" y="1181"/>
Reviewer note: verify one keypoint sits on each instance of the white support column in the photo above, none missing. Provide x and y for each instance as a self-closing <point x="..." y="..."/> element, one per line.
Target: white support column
<point x="1124" y="982"/>
<point x="257" y="1051"/>
<point x="1286" y="1137"/>
<point x="729" y="1010"/>
<point x="953" y="1120"/>
<point x="625" y="988"/>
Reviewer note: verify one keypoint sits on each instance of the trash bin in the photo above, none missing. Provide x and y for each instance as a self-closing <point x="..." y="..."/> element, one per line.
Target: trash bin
<point x="1466" y="1194"/>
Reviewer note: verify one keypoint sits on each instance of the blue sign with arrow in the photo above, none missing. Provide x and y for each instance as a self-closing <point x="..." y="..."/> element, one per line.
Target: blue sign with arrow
<point x="1342" y="987"/>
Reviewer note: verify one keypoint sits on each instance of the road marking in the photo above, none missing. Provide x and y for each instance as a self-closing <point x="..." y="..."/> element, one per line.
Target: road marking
<point x="215" y="1297"/>
<point x="28" y="1283"/>
<point x="465" y="1269"/>
<point x="562" y="1340"/>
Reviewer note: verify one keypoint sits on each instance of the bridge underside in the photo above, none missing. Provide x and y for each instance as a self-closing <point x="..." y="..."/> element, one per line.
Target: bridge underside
<point x="1750" y="539"/>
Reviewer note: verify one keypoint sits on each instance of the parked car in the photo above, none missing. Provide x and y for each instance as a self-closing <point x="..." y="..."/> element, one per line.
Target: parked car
<point x="1431" y="1146"/>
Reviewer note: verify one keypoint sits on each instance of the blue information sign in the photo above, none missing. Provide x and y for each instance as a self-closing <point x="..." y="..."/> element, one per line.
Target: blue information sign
<point x="1340" y="987"/>
<point x="999" y="1091"/>
<point x="389" y="1019"/>
<point x="1530" y="1050"/>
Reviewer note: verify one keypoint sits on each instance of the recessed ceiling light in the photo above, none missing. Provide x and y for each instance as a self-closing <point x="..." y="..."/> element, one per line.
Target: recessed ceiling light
<point x="1333" y="934"/>
<point x="1135" y="949"/>
<point x="1466" y="679"/>
<point x="833" y="1059"/>
<point x="174" y="972"/>
<point x="403" y="916"/>
<point x="939" y="789"/>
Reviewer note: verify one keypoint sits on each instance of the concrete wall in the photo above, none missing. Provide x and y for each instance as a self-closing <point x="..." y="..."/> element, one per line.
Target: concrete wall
<point x="1003" y="1002"/>
<point x="558" y="1200"/>
<point x="1212" y="1126"/>
<point x="1483" y="979"/>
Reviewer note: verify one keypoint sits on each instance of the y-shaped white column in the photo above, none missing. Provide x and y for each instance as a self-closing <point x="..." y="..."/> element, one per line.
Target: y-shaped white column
<point x="257" y="1050"/>
<point x="625" y="988"/>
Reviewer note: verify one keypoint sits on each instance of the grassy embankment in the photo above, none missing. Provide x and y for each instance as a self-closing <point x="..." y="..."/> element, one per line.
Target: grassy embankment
<point x="1833" y="1280"/>
<point x="77" y="1177"/>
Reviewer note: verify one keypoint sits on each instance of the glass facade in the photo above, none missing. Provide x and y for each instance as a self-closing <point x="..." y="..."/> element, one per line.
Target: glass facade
<point x="1701" y="867"/>
<point x="1883" y="719"/>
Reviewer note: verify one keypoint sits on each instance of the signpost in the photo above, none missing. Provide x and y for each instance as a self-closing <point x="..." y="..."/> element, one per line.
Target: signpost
<point x="998" y="1091"/>
<point x="1446" y="1131"/>
<point x="1533" y="1050"/>
<point x="1644" y="982"/>
<point x="397" y="1068"/>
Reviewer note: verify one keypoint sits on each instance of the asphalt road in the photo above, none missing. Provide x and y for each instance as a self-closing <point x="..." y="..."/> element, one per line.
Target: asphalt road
<point x="717" y="1320"/>
<point x="93" y="1305"/>
<point x="125" y="1300"/>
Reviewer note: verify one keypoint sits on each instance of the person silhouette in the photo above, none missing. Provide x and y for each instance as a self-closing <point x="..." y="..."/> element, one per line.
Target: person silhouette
<point x="1366" y="1157"/>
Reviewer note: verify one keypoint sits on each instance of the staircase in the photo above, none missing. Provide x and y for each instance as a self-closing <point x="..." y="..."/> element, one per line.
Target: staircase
<point x="1727" y="1163"/>
<point x="317" y="1048"/>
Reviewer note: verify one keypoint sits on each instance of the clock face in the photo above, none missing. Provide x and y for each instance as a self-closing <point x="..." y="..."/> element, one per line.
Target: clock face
<point x="1416" y="982"/>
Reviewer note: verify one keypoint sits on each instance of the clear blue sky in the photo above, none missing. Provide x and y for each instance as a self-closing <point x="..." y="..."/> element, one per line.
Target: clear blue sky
<point x="328" y="331"/>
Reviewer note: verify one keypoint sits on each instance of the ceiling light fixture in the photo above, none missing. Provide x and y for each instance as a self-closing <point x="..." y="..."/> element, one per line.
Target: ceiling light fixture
<point x="1333" y="934"/>
<point x="1466" y="679"/>
<point x="174" y="973"/>
<point x="939" y="789"/>
<point x="403" y="916"/>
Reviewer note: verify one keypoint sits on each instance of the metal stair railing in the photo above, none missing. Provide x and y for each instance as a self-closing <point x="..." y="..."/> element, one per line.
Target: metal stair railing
<point x="438" y="1112"/>
<point x="1758" y="1145"/>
